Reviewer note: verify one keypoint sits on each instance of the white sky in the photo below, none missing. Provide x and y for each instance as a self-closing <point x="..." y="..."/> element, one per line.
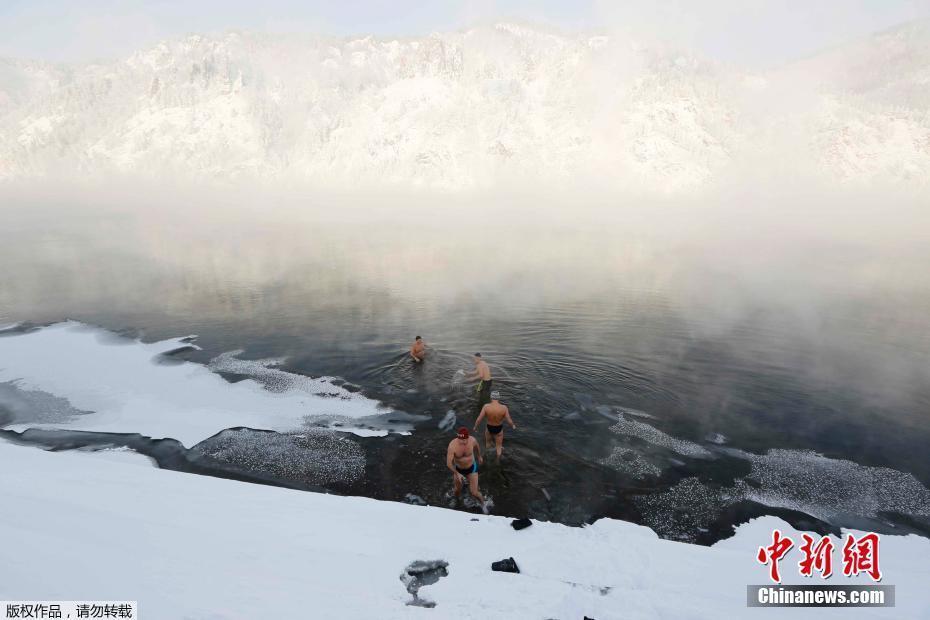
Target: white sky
<point x="756" y="33"/>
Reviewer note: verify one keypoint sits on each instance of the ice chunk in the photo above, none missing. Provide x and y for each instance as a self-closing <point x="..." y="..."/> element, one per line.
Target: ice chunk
<point x="423" y="573"/>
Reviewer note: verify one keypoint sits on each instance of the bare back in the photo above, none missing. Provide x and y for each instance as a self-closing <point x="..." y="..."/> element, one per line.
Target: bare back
<point x="483" y="370"/>
<point x="495" y="413"/>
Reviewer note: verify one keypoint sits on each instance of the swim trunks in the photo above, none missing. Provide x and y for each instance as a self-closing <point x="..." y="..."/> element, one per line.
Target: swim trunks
<point x="494" y="429"/>
<point x="471" y="470"/>
<point x="484" y="392"/>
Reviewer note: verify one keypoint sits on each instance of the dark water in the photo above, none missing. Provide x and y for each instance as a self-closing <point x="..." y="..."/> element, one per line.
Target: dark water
<point x="652" y="379"/>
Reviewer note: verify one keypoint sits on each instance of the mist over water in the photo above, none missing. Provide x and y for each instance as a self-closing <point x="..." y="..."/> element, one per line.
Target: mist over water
<point x="631" y="336"/>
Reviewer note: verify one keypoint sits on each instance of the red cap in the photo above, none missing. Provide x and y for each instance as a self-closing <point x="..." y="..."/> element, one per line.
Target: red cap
<point x="463" y="432"/>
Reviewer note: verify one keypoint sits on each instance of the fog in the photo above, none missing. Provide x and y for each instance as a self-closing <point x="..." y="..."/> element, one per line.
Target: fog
<point x="750" y="33"/>
<point x="839" y="277"/>
<point x="636" y="192"/>
<point x="759" y="239"/>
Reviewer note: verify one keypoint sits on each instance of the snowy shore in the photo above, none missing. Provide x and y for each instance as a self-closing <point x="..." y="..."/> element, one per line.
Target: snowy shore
<point x="115" y="384"/>
<point x="82" y="526"/>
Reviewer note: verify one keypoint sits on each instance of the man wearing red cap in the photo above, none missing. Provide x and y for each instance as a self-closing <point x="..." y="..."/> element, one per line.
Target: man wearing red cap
<point x="460" y="458"/>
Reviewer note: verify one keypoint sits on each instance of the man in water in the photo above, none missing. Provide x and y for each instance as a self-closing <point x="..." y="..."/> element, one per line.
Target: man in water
<point x="460" y="459"/>
<point x="483" y="374"/>
<point x="495" y="413"/>
<point x="418" y="350"/>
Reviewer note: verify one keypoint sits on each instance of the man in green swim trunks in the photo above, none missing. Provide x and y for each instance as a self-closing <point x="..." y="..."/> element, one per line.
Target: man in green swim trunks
<point x="483" y="374"/>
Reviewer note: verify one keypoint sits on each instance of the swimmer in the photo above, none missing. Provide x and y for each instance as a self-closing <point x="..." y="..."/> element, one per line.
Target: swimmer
<point x="460" y="459"/>
<point x="418" y="350"/>
<point x="483" y="374"/>
<point x="496" y="414"/>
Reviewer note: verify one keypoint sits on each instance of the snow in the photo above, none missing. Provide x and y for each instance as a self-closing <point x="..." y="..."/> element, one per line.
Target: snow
<point x="501" y="103"/>
<point x="123" y="456"/>
<point x="73" y="376"/>
<point x="80" y="526"/>
<point x="115" y="384"/>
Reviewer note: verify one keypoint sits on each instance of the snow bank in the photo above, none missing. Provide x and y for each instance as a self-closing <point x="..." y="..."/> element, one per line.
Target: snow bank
<point x="116" y="384"/>
<point x="81" y="526"/>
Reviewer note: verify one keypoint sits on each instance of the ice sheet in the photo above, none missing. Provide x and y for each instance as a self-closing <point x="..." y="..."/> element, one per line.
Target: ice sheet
<point x="118" y="386"/>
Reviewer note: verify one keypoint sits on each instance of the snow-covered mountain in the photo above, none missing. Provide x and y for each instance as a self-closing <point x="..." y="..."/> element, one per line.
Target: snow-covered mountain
<point x="872" y="118"/>
<point x="496" y="104"/>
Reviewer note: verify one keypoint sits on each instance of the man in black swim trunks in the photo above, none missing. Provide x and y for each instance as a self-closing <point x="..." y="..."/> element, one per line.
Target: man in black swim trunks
<point x="495" y="413"/>
<point x="460" y="459"/>
<point x="483" y="374"/>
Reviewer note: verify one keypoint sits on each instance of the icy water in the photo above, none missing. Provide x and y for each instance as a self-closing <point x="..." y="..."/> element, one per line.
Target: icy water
<point x="681" y="384"/>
